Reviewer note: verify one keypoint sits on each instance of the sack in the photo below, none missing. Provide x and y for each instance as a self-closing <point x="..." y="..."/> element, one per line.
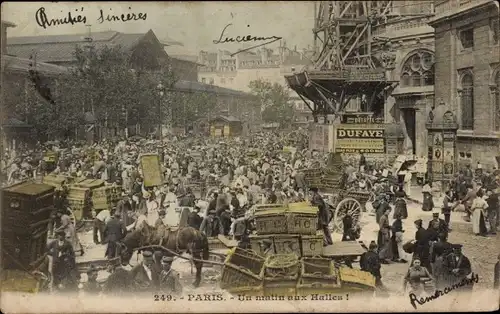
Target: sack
<point x="409" y="247"/>
<point x="460" y="208"/>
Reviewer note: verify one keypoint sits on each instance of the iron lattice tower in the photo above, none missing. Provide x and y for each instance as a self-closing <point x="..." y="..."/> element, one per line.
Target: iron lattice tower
<point x="346" y="64"/>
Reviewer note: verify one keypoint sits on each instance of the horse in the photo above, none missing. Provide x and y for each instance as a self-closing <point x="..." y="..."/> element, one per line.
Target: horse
<point x="183" y="239"/>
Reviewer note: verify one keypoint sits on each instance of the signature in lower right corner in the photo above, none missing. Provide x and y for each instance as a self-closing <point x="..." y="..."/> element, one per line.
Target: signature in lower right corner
<point x="414" y="300"/>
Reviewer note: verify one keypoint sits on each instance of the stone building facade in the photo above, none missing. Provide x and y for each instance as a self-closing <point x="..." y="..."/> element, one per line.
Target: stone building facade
<point x="468" y="75"/>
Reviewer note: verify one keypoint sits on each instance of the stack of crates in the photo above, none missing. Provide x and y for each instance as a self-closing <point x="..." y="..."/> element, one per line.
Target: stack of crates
<point x="291" y="228"/>
<point x="105" y="197"/>
<point x="26" y="209"/>
<point x="242" y="268"/>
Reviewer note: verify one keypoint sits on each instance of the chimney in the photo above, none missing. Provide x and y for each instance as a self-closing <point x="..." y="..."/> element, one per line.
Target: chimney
<point x="295" y="48"/>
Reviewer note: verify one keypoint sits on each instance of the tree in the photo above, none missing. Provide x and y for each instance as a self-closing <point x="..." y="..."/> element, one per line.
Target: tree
<point x="275" y="101"/>
<point x="105" y="83"/>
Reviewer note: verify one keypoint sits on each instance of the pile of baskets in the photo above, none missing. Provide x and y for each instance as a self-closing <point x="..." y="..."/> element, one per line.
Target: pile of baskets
<point x="279" y="274"/>
<point x="291" y="229"/>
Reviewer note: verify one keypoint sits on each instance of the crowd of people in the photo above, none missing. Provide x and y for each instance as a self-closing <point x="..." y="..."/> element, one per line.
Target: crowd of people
<point x="221" y="180"/>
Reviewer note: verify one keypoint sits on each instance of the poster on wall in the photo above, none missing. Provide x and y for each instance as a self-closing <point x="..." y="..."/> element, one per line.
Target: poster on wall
<point x="437" y="154"/>
<point x="437" y="168"/>
<point x="360" y="138"/>
<point x="437" y="140"/>
<point x="448" y="168"/>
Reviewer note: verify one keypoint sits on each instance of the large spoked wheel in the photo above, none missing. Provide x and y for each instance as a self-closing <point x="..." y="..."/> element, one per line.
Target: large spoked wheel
<point x="347" y="205"/>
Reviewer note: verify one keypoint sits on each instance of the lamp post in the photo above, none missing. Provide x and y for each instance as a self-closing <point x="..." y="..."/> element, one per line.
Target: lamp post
<point x="160" y="127"/>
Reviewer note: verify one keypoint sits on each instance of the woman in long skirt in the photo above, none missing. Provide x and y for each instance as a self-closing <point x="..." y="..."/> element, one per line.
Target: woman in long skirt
<point x="428" y="202"/>
<point x="478" y="207"/>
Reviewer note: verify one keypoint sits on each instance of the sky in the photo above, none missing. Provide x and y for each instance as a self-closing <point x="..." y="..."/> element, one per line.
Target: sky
<point x="195" y="24"/>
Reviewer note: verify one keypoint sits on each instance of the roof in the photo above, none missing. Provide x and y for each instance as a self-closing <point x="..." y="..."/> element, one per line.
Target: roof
<point x="186" y="58"/>
<point x="22" y="64"/>
<point x="61" y="48"/>
<point x="227" y="118"/>
<point x="13" y="122"/>
<point x="297" y="60"/>
<point x="189" y="86"/>
<point x="8" y="24"/>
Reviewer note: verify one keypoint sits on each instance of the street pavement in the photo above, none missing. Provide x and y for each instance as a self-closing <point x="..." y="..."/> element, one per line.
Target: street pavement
<point x="482" y="251"/>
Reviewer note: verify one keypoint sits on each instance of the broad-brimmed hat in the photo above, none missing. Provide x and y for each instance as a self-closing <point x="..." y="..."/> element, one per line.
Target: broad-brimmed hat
<point x="147" y="254"/>
<point x="60" y="232"/>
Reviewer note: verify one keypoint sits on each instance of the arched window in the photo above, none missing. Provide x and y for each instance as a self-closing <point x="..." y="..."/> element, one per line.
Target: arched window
<point x="418" y="70"/>
<point x="467" y="101"/>
<point x="497" y="102"/>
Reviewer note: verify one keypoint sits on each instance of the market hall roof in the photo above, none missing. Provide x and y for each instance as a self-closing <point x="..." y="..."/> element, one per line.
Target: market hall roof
<point x="10" y="63"/>
<point x="61" y="48"/>
<point x="190" y="86"/>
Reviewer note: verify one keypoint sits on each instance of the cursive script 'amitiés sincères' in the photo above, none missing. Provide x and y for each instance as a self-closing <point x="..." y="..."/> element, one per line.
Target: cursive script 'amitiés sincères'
<point x="43" y="21"/>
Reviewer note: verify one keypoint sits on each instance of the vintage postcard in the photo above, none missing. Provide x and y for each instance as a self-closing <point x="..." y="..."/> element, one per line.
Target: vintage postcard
<point x="227" y="157"/>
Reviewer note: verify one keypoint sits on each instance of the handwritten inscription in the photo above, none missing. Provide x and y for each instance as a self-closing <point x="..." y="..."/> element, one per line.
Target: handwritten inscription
<point x="414" y="300"/>
<point x="243" y="39"/>
<point x="77" y="16"/>
<point x="43" y="21"/>
<point x="122" y="17"/>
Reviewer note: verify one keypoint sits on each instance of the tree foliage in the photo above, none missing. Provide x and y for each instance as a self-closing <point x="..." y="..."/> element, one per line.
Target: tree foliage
<point x="275" y="101"/>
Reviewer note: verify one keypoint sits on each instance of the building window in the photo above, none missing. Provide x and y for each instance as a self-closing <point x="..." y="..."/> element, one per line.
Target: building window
<point x="223" y="80"/>
<point x="495" y="29"/>
<point x="467" y="38"/>
<point x="467" y="101"/>
<point x="231" y="80"/>
<point x="203" y="80"/>
<point x="418" y="70"/>
<point x="211" y="81"/>
<point x="497" y="102"/>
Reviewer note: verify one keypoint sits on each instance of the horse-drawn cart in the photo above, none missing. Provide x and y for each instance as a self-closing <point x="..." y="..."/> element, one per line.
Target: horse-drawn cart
<point x="330" y="180"/>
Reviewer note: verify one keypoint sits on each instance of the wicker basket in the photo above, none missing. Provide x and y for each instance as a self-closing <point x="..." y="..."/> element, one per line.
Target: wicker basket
<point x="247" y="291"/>
<point x="216" y="244"/>
<point x="312" y="245"/>
<point x="287" y="244"/>
<point x="242" y="268"/>
<point x="281" y="265"/>
<point x="255" y="243"/>
<point x="271" y="221"/>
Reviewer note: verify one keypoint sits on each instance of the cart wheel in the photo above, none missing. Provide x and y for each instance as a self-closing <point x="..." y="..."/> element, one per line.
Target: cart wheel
<point x="347" y="205"/>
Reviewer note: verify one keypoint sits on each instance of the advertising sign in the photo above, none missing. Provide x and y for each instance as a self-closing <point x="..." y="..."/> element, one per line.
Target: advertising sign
<point x="360" y="138"/>
<point x="319" y="138"/>
<point x="151" y="170"/>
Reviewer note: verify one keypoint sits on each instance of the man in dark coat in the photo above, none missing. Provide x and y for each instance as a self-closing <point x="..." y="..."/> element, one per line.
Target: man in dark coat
<point x="436" y="226"/>
<point x="381" y="205"/>
<point x="370" y="262"/>
<point x="458" y="267"/>
<point x="123" y="207"/>
<point x="323" y="216"/>
<point x="63" y="262"/>
<point x="146" y="275"/>
<point x="114" y="231"/>
<point x="92" y="286"/>
<point x="422" y="248"/>
<point x="194" y="219"/>
<point x="496" y="275"/>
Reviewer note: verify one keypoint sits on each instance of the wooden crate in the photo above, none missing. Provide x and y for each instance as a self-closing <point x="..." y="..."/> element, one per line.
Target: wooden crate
<point x="318" y="270"/>
<point x="255" y="240"/>
<point x="18" y="281"/>
<point x="312" y="245"/>
<point x="287" y="244"/>
<point x="300" y="223"/>
<point x="242" y="268"/>
<point x="216" y="244"/>
<point x="356" y="278"/>
<point x="271" y="221"/>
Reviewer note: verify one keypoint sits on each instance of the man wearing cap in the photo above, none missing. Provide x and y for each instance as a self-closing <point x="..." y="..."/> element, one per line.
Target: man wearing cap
<point x="114" y="231"/>
<point x="323" y="215"/>
<point x="169" y="278"/>
<point x="161" y="215"/>
<point x="63" y="262"/>
<point x="92" y="286"/>
<point x="145" y="275"/>
<point x="458" y="267"/>
<point x="436" y="227"/>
